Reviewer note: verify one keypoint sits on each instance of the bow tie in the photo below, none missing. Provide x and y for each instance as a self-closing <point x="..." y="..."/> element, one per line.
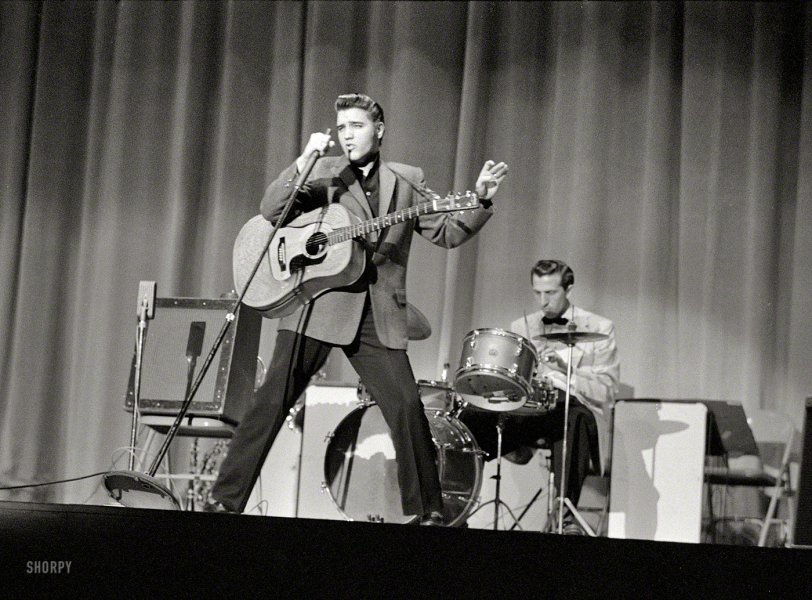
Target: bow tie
<point x="554" y="320"/>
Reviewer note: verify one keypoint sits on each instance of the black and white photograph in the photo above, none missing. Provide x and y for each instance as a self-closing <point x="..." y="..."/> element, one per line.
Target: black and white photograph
<point x="389" y="298"/>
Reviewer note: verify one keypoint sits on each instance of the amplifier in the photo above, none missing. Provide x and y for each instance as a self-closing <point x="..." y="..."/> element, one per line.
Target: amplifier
<point x="181" y="329"/>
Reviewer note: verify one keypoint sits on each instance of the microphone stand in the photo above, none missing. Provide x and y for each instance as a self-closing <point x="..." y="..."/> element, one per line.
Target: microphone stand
<point x="119" y="482"/>
<point x="139" y="354"/>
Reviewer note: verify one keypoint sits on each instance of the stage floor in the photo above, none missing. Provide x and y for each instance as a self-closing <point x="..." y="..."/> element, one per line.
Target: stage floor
<point x="52" y="550"/>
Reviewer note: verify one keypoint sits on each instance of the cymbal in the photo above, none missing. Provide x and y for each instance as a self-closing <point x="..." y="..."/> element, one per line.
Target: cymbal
<point x="417" y="325"/>
<point x="572" y="337"/>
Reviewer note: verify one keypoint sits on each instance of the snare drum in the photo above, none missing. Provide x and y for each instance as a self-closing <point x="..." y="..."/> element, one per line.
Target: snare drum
<point x="433" y="394"/>
<point x="361" y="473"/>
<point x="543" y="400"/>
<point x="496" y="370"/>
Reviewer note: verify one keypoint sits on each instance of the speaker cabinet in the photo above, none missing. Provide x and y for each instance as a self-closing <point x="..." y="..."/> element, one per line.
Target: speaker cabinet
<point x="803" y="514"/>
<point x="181" y="328"/>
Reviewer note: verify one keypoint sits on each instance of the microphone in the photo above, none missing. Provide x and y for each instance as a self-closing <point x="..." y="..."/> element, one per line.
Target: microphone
<point x="308" y="166"/>
<point x="146" y="300"/>
<point x="194" y="345"/>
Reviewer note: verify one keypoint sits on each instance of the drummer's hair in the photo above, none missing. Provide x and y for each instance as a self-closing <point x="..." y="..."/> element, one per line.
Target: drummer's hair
<point x="554" y="267"/>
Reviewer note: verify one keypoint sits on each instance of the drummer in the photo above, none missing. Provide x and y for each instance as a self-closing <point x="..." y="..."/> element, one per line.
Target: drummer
<point x="595" y="375"/>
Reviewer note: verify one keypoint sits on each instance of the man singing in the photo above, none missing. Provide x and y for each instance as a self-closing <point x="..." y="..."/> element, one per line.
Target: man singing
<point x="366" y="320"/>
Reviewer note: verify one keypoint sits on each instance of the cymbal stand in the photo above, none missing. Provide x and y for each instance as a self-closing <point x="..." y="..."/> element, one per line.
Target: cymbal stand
<point x="562" y="499"/>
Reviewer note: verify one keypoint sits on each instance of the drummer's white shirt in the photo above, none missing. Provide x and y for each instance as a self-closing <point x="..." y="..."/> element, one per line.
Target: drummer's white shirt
<point x="595" y="365"/>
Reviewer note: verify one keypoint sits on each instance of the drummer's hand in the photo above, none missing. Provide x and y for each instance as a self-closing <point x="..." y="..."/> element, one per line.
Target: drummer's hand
<point x="489" y="179"/>
<point x="552" y="361"/>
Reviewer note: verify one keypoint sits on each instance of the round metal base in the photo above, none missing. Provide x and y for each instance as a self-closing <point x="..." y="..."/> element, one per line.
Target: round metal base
<point x="138" y="490"/>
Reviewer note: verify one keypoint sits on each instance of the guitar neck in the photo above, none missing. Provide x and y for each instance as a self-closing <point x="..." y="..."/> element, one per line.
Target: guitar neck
<point x="344" y="234"/>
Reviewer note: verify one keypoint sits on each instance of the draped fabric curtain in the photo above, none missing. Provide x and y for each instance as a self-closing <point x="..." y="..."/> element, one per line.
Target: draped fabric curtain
<point x="663" y="150"/>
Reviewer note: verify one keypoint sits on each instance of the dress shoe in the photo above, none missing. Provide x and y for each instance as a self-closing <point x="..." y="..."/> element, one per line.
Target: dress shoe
<point x="571" y="527"/>
<point x="520" y="456"/>
<point x="433" y="519"/>
<point x="213" y="506"/>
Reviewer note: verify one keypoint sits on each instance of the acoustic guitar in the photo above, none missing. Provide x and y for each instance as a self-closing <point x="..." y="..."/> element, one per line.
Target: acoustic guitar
<point x="314" y="253"/>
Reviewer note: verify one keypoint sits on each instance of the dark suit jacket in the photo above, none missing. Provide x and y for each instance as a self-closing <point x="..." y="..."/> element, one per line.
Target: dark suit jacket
<point x="334" y="317"/>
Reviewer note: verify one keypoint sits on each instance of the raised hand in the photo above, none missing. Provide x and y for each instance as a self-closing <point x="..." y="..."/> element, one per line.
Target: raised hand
<point x="489" y="179"/>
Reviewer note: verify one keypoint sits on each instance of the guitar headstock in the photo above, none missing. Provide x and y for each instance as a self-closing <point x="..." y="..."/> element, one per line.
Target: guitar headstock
<point x="455" y="202"/>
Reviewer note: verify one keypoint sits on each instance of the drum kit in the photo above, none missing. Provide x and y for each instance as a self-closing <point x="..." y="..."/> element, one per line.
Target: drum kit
<point x="497" y="373"/>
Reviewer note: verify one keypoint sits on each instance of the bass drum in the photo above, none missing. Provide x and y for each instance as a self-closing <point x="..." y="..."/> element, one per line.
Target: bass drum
<point x="361" y="473"/>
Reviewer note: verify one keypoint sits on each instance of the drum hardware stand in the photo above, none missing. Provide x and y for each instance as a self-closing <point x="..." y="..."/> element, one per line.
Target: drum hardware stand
<point x="461" y="406"/>
<point x="550" y="497"/>
<point x="118" y="482"/>
<point x="194" y="468"/>
<point x="497" y="501"/>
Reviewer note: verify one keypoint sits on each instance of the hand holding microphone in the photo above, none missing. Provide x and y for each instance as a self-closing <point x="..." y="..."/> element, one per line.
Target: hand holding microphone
<point x="318" y="143"/>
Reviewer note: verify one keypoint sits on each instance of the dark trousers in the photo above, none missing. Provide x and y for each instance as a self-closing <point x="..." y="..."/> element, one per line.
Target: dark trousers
<point x="521" y="430"/>
<point x="387" y="375"/>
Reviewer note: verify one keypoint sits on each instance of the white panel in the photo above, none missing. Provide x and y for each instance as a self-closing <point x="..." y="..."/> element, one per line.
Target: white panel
<point x="325" y="407"/>
<point x="658" y="457"/>
<point x="276" y="491"/>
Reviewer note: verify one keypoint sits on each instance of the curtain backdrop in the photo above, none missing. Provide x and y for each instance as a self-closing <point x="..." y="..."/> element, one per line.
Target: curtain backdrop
<point x="663" y="150"/>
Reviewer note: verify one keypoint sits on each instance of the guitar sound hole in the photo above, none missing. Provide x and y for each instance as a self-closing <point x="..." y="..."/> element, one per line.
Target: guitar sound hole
<point x="316" y="244"/>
